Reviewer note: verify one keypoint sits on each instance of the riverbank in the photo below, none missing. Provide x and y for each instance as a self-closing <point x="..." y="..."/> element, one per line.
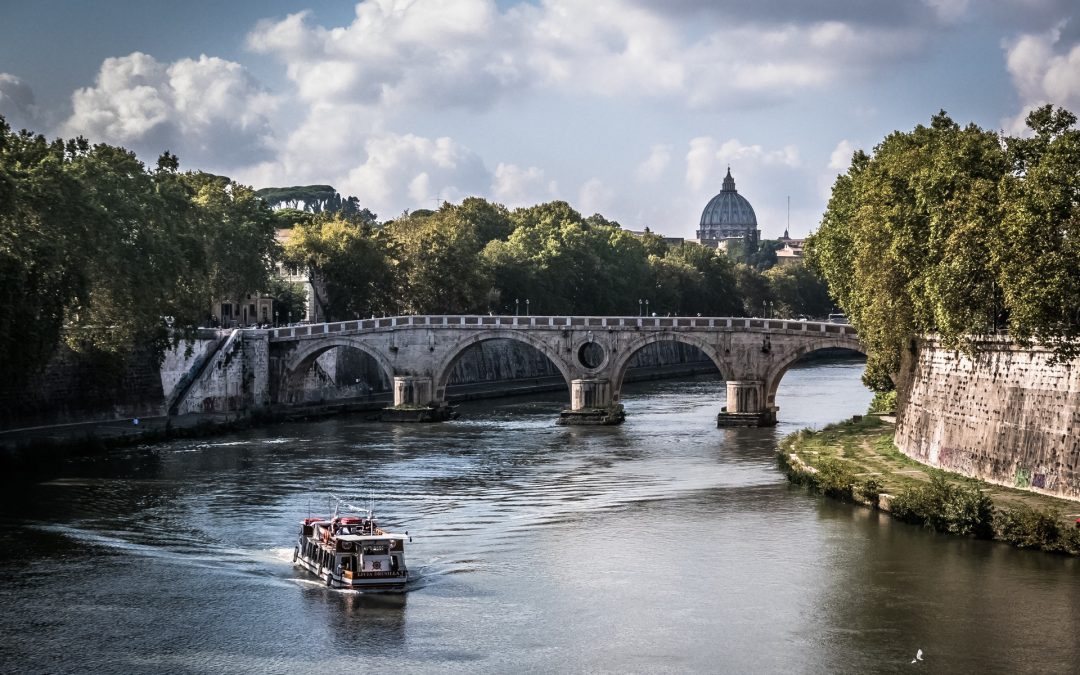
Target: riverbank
<point x="856" y="461"/>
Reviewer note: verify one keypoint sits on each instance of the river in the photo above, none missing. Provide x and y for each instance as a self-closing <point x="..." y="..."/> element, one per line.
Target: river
<point x="662" y="545"/>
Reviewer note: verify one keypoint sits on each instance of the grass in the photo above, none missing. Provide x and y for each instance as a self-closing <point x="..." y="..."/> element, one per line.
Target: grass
<point x="857" y="461"/>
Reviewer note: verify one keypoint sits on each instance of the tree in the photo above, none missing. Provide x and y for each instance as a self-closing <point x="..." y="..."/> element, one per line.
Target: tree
<point x="947" y="230"/>
<point x="354" y="263"/>
<point x="1038" y="254"/>
<point x="439" y="269"/>
<point x="796" y="290"/>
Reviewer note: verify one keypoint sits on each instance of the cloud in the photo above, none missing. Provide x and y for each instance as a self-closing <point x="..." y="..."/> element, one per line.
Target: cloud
<point x="705" y="157"/>
<point x="1043" y="70"/>
<point x="515" y="186"/>
<point x="17" y="102"/>
<point x="840" y="159"/>
<point x="652" y="169"/>
<point x="409" y="172"/>
<point x="595" y="197"/>
<point x="472" y="53"/>
<point x="207" y="111"/>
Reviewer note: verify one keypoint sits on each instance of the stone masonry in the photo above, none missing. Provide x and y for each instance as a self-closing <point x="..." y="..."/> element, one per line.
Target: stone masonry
<point x="1010" y="416"/>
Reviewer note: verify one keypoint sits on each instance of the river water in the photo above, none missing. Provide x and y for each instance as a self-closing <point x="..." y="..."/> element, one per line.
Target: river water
<point x="662" y="545"/>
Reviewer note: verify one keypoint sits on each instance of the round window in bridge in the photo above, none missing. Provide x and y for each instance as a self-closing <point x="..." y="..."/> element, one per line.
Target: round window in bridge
<point x="591" y="355"/>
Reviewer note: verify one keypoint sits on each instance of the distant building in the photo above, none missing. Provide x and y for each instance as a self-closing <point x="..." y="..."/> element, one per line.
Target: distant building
<point x="792" y="253"/>
<point x="728" y="217"/>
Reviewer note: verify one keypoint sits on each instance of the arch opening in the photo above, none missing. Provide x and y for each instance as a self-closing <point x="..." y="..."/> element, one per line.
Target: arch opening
<point x="664" y="357"/>
<point x="502" y="365"/>
<point x="338" y="372"/>
<point x="830" y="366"/>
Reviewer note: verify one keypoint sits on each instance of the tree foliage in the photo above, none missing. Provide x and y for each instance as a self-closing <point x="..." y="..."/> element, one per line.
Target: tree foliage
<point x="956" y="231"/>
<point x="100" y="251"/>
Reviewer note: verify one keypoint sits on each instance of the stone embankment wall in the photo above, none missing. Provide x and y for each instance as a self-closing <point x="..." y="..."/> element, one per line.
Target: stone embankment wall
<point x="1009" y="416"/>
<point x="83" y="386"/>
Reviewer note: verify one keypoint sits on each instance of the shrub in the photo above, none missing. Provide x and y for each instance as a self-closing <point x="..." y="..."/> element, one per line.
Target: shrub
<point x="835" y="478"/>
<point x="883" y="402"/>
<point x="946" y="507"/>
<point x="870" y="489"/>
<point x="1025" y="527"/>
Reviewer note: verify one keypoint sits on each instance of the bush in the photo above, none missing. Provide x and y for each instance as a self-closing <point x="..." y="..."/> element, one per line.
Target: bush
<point x="1025" y="527"/>
<point x="883" y="402"/>
<point x="835" y="479"/>
<point x="945" y="507"/>
<point x="870" y="489"/>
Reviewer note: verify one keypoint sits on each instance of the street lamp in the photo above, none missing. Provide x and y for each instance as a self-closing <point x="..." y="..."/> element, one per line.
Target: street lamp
<point x="515" y="306"/>
<point x="640" y="309"/>
<point x="646" y="307"/>
<point x="527" y="307"/>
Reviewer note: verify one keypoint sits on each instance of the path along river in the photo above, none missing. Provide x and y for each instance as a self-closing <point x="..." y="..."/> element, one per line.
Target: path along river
<point x="663" y="545"/>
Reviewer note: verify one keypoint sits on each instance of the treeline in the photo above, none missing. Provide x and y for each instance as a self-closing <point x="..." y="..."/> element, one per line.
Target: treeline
<point x="958" y="231"/>
<point x="479" y="257"/>
<point x="104" y="253"/>
<point x="313" y="199"/>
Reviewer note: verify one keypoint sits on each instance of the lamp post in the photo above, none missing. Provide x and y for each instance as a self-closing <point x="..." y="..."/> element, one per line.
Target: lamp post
<point x="640" y="308"/>
<point x="515" y="306"/>
<point x="646" y="307"/>
<point x="527" y="307"/>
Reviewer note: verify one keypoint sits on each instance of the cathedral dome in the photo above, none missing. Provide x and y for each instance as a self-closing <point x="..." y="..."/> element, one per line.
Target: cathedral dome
<point x="728" y="214"/>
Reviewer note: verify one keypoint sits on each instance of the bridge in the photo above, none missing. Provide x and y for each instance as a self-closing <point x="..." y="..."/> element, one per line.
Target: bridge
<point x="418" y="354"/>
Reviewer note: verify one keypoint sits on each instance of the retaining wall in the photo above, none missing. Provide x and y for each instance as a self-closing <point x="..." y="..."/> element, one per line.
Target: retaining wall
<point x="1010" y="416"/>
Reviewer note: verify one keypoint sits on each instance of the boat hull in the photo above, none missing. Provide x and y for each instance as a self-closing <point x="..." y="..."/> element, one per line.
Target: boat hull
<point x="371" y="582"/>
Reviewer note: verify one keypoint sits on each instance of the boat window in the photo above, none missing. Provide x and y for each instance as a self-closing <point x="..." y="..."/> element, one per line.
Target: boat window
<point x="374" y="550"/>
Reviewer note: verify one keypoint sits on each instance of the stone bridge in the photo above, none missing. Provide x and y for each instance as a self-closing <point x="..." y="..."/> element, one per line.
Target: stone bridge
<point x="418" y="354"/>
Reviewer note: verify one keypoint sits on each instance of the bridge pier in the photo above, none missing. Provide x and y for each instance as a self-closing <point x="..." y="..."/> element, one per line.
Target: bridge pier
<point x="591" y="403"/>
<point x="746" y="406"/>
<point x="413" y="402"/>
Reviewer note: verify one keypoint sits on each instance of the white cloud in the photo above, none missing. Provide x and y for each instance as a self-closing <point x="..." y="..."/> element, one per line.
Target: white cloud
<point x="410" y="172"/>
<point x="515" y="186"/>
<point x="17" y="102"/>
<point x="471" y="53"/>
<point x="840" y="159"/>
<point x="595" y="197"/>
<point x="949" y="11"/>
<point x="206" y="111"/>
<point x="652" y="169"/>
<point x="1043" y="71"/>
<point x="705" y="158"/>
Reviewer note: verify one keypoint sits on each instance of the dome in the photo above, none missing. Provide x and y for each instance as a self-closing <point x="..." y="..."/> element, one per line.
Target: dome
<point x="728" y="214"/>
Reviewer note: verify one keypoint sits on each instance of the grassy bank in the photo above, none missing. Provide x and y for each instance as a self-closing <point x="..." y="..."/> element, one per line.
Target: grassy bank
<point x="856" y="461"/>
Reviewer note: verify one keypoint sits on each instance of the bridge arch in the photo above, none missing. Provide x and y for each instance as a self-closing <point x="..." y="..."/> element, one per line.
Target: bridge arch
<point x="446" y="365"/>
<point x="301" y="360"/>
<point x="621" y="361"/>
<point x="777" y="369"/>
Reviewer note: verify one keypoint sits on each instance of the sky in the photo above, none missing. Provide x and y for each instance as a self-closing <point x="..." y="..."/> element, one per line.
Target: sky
<point x="629" y="108"/>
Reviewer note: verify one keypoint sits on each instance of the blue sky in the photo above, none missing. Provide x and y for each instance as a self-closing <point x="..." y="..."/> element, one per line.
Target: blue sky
<point x="630" y="108"/>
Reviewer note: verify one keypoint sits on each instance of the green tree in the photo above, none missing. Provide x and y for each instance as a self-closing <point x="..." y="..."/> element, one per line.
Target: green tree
<point x="439" y="268"/>
<point x="905" y="242"/>
<point x="1038" y="252"/>
<point x="796" y="290"/>
<point x="354" y="264"/>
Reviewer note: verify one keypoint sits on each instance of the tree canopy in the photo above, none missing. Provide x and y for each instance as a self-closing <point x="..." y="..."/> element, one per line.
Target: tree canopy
<point x="98" y="250"/>
<point x="957" y="231"/>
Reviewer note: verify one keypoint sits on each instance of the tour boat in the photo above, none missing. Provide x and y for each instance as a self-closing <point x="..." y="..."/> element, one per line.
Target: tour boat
<point x="352" y="552"/>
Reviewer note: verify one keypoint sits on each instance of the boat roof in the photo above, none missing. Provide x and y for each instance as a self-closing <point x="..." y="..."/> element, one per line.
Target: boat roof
<point x="371" y="537"/>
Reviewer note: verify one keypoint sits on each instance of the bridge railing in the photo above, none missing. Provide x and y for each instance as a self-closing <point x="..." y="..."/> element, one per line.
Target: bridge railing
<point x="560" y="322"/>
